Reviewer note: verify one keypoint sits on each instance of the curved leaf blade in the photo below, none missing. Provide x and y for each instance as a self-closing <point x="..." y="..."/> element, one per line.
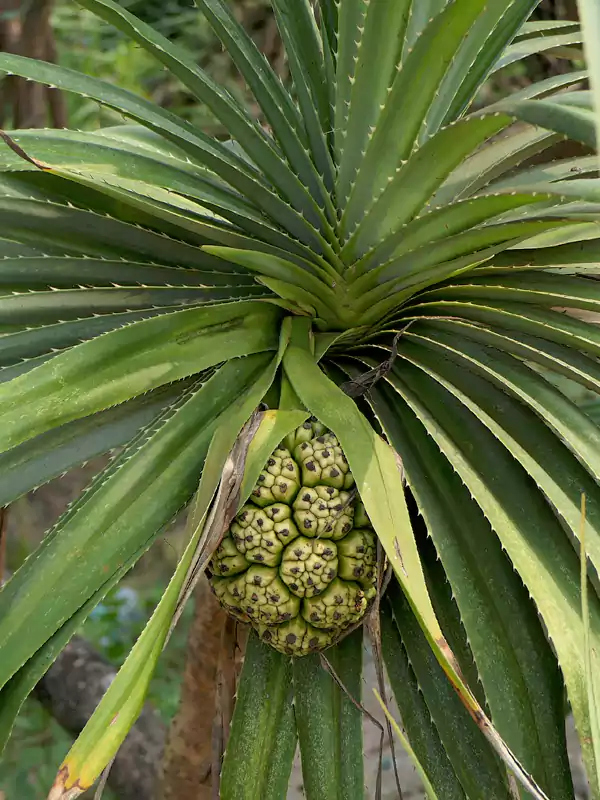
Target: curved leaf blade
<point x="329" y="724"/>
<point x="236" y="121"/>
<point x="45" y="457"/>
<point x="262" y="742"/>
<point x="514" y="661"/>
<point x="123" y="510"/>
<point x="475" y="763"/>
<point x="416" y="717"/>
<point x="524" y="522"/>
<point x="125" y="363"/>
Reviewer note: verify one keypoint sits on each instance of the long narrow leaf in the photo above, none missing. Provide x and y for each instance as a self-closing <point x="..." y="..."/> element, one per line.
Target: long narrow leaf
<point x="120" y="706"/>
<point x="38" y="460"/>
<point x="261" y="747"/>
<point x="19" y="687"/>
<point x="123" y="510"/>
<point x="409" y="100"/>
<point x="377" y="473"/>
<point x="475" y="764"/>
<point x="519" y="514"/>
<point x="416" y="717"/>
<point x="515" y="664"/>
<point x="590" y="23"/>
<point x="377" y="54"/>
<point x="329" y="723"/>
<point x="125" y="363"/>
<point x="208" y="152"/>
<point x="236" y="121"/>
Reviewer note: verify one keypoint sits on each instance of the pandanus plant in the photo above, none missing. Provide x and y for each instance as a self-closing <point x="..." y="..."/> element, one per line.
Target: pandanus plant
<point x="333" y="332"/>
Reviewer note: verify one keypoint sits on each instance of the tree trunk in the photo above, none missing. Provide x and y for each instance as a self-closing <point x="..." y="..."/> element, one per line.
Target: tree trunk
<point x="25" y="29"/>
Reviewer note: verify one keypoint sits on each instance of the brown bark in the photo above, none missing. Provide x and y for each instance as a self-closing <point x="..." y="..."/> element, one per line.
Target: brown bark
<point x="71" y="690"/>
<point x="26" y="31"/>
<point x="30" y="106"/>
<point x="10" y="34"/>
<point x="558" y="9"/>
<point x="199" y="731"/>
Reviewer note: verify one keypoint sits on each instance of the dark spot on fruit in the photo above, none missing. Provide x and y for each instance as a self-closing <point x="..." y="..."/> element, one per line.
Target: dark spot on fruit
<point x="294" y="587"/>
<point x="286" y="532"/>
<point x="295" y="570"/>
<point x="310" y="582"/>
<point x="254" y="597"/>
<point x="267" y="636"/>
<point x="243" y="516"/>
<point x="307" y="524"/>
<point x="257" y="580"/>
<point x="331" y="574"/>
<point x="334" y="472"/>
<point x="326" y="453"/>
<point x="321" y="439"/>
<point x="260" y="523"/>
<point x="249" y="537"/>
<point x="347" y="528"/>
<point x="269" y="543"/>
<point x="310" y="466"/>
<point x="322" y="507"/>
<point x="261" y="478"/>
<point x="330" y="491"/>
<point x="306" y="498"/>
<point x="235" y="591"/>
<point x="224" y="568"/>
<point x="297" y="552"/>
<point x="360" y="549"/>
<point x="337" y="615"/>
<point x="275" y="598"/>
<point x="338" y="599"/>
<point x="317" y="567"/>
<point x="314" y="616"/>
<point x="304" y="446"/>
<point x="313" y="642"/>
<point x="259" y="557"/>
<point x="306" y="425"/>
<point x="329" y="528"/>
<point x="291" y="638"/>
<point x="339" y="508"/>
<point x="283" y="487"/>
<point x="328" y="551"/>
<point x="358" y="572"/>
<point x="271" y="462"/>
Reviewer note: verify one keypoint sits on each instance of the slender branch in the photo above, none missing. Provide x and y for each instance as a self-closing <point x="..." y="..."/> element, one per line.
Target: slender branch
<point x="188" y="760"/>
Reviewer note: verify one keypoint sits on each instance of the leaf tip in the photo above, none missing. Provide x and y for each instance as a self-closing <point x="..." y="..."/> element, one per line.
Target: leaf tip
<point x="60" y="789"/>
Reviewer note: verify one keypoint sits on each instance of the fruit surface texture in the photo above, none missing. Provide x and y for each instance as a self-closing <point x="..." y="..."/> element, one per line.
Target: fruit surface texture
<point x="299" y="561"/>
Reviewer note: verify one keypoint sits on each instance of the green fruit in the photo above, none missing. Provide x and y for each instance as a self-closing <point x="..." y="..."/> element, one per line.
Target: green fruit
<point x="299" y="561"/>
<point x="323" y="463"/>
<point x="307" y="431"/>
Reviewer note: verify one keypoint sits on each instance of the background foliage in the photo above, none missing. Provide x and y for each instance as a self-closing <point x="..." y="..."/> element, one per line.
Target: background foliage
<point x="83" y="42"/>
